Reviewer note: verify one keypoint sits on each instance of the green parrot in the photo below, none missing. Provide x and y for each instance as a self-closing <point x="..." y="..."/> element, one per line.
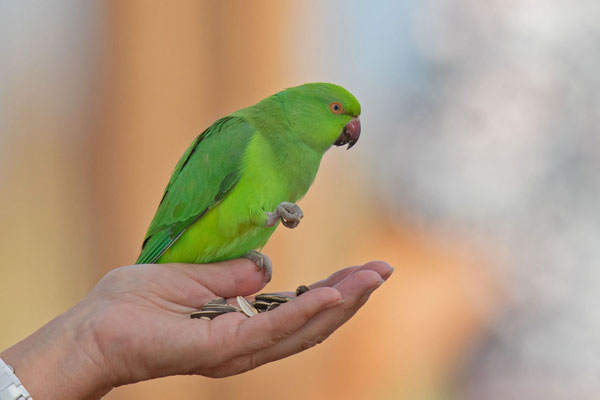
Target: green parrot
<point x="243" y="175"/>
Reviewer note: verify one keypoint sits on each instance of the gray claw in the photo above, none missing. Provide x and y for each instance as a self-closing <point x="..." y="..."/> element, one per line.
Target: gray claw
<point x="262" y="262"/>
<point x="288" y="213"/>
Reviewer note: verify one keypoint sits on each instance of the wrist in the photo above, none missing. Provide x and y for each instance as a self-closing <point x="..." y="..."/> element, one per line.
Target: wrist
<point x="58" y="361"/>
<point x="10" y="386"/>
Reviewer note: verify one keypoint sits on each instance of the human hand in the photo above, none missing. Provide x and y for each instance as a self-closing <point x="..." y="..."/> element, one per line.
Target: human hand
<point x="135" y="325"/>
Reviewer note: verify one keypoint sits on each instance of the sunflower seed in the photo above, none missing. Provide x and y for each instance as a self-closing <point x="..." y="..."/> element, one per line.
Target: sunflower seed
<point x="217" y="300"/>
<point x="224" y="308"/>
<point x="273" y="306"/>
<point x="271" y="297"/>
<point x="210" y="314"/>
<point x="261" y="305"/>
<point x="302" y="289"/>
<point x="246" y="307"/>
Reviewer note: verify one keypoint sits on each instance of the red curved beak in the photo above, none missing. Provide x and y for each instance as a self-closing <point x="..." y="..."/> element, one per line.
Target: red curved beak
<point x="350" y="134"/>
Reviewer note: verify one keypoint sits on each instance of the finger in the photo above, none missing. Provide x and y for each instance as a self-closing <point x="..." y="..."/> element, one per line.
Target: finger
<point x="239" y="277"/>
<point x="381" y="267"/>
<point x="355" y="290"/>
<point x="267" y="329"/>
<point x="238" y="338"/>
<point x="264" y="330"/>
<point x="336" y="277"/>
<point x="384" y="269"/>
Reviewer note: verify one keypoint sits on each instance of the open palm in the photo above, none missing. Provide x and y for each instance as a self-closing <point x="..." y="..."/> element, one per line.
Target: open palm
<point x="142" y="329"/>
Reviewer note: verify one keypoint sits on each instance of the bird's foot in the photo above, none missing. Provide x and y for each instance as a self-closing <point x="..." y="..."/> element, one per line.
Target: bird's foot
<point x="289" y="214"/>
<point x="262" y="262"/>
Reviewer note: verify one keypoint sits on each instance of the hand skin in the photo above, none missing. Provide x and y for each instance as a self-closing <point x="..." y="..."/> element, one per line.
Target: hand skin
<point x="135" y="325"/>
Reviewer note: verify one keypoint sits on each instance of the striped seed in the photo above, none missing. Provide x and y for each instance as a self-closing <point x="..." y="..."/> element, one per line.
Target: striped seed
<point x="273" y="297"/>
<point x="246" y="307"/>
<point x="302" y="289"/>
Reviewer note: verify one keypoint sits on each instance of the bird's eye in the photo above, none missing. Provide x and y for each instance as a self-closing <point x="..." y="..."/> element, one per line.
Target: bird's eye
<point x="336" y="107"/>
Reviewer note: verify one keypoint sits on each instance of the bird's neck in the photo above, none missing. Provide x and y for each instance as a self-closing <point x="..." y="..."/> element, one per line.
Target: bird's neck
<point x="296" y="160"/>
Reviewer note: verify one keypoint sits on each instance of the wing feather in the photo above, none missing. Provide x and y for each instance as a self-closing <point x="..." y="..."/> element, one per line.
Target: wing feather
<point x="206" y="173"/>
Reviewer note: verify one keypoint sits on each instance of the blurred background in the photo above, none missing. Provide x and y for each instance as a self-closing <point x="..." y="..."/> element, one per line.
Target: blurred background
<point x="475" y="176"/>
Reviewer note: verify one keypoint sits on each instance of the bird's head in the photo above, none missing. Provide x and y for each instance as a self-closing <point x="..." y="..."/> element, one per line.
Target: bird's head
<point x="322" y="114"/>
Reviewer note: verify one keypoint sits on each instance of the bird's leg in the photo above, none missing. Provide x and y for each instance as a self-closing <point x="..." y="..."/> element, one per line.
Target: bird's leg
<point x="289" y="214"/>
<point x="261" y="261"/>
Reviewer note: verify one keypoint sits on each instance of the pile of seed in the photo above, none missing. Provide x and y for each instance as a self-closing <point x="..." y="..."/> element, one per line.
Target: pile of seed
<point x="262" y="302"/>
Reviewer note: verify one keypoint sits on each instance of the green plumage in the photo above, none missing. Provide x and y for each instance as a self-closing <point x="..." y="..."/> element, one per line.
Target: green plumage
<point x="242" y="166"/>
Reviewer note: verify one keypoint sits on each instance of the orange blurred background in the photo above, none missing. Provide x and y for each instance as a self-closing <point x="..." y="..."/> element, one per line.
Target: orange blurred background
<point x="108" y="97"/>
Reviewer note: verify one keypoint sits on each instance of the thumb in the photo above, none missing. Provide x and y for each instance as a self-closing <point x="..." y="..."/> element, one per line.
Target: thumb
<point x="239" y="277"/>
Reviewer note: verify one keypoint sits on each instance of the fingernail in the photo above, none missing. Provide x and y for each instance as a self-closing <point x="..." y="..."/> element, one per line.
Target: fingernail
<point x="371" y="290"/>
<point x="335" y="303"/>
<point x="388" y="274"/>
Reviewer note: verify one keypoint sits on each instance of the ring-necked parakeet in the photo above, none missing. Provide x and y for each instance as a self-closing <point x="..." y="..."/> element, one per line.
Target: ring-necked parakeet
<point x="243" y="174"/>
